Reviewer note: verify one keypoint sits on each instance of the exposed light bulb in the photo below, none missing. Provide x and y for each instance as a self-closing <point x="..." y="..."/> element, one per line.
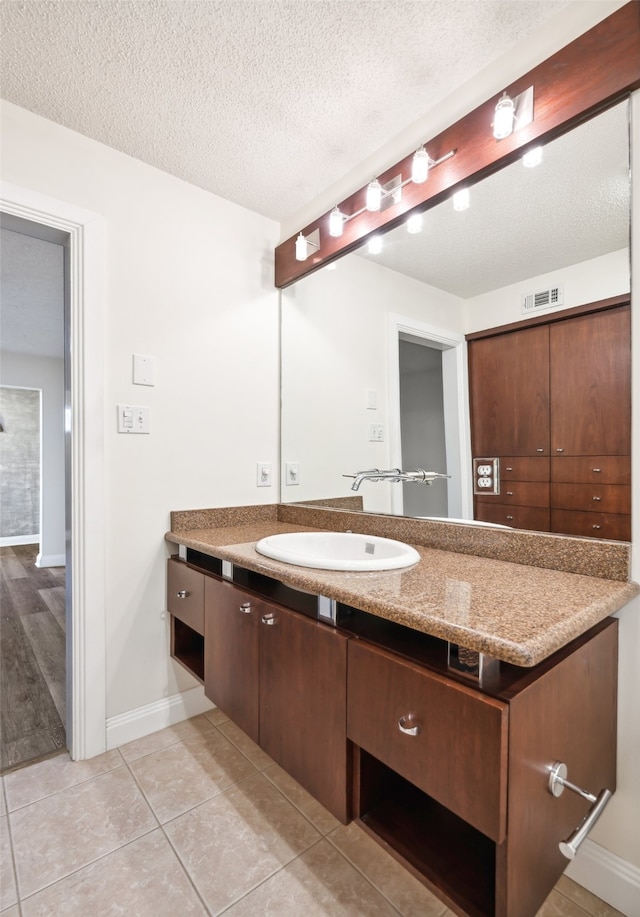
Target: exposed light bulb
<point x="504" y="117"/>
<point x="420" y="166"/>
<point x="374" y="195"/>
<point x="461" y="199"/>
<point x="302" y="249"/>
<point x="336" y="222"/>
<point x="532" y="157"/>
<point x="375" y="245"/>
<point x="414" y="223"/>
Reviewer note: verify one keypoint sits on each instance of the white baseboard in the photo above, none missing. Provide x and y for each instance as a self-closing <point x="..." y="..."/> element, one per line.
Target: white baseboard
<point x="8" y="541"/>
<point x="142" y="721"/>
<point x="51" y="560"/>
<point x="608" y="876"/>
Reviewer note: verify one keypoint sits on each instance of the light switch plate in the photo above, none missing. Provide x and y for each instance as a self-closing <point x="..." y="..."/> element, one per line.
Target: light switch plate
<point x="133" y="418"/>
<point x="144" y="369"/>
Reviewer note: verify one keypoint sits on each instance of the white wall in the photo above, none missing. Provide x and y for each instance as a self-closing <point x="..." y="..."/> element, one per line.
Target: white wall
<point x="335" y="350"/>
<point x="189" y="280"/>
<point x="47" y="374"/>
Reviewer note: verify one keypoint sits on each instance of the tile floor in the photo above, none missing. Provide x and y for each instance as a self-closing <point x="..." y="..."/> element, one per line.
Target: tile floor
<point x="196" y="819"/>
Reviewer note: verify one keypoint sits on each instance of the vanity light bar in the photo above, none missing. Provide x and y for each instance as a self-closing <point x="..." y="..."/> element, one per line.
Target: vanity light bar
<point x="376" y="193"/>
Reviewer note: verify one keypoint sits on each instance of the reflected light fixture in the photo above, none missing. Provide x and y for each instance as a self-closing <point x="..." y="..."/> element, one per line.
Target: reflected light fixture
<point x="532" y="157"/>
<point x="336" y="222"/>
<point x="414" y="223"/>
<point x="302" y="249"/>
<point x="461" y="199"/>
<point x="375" y="245"/>
<point x="504" y="118"/>
<point x="374" y="195"/>
<point x="420" y="166"/>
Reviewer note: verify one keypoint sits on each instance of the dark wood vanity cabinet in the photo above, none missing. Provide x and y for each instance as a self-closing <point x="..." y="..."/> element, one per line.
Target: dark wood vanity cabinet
<point x="454" y="781"/>
<point x="553" y="403"/>
<point x="185" y="604"/>
<point x="281" y="677"/>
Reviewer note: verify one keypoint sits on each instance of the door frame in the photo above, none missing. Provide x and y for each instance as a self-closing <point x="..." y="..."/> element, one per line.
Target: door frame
<point x="84" y="434"/>
<point x="456" y="400"/>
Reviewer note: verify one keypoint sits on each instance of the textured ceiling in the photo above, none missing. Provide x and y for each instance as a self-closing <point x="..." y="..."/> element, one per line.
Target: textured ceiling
<point x="265" y="103"/>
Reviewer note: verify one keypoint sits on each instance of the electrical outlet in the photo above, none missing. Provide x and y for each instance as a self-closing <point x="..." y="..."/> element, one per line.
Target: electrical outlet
<point x="486" y="476"/>
<point x="291" y="473"/>
<point x="263" y="474"/>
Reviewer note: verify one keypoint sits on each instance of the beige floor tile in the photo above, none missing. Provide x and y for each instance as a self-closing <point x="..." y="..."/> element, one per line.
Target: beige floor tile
<point x="3" y="804"/>
<point x="54" y="774"/>
<point x="323" y="820"/>
<point x="64" y="832"/>
<point x="142" y="879"/>
<point x="247" y="746"/>
<point x="182" y="776"/>
<point x="216" y="716"/>
<point x="8" y="892"/>
<point x="557" y="905"/>
<point x="590" y="903"/>
<point x="13" y="911"/>
<point x="236" y="840"/>
<point x="147" y="745"/>
<point x="386" y="874"/>
<point x="320" y="883"/>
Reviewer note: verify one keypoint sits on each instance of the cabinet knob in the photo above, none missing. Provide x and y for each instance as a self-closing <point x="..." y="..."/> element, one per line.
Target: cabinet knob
<point x="269" y="618"/>
<point x="409" y="725"/>
<point x="597" y="470"/>
<point x="596" y="499"/>
<point x="245" y="608"/>
<point x="557" y="784"/>
<point x="182" y="594"/>
<point x="559" y="450"/>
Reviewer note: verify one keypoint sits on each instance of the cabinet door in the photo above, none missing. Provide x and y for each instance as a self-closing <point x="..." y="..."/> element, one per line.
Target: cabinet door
<point x="509" y="393"/>
<point x="590" y="371"/>
<point x="231" y="664"/>
<point x="303" y="675"/>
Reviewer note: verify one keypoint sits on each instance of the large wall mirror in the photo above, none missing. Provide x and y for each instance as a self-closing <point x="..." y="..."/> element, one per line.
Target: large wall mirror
<point x="373" y="350"/>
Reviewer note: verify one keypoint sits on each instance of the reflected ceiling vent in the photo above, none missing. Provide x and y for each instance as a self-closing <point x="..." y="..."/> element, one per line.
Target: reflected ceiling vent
<point x="543" y="299"/>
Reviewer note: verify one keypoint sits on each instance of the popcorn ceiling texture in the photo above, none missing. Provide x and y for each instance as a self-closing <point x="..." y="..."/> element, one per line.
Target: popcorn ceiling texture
<point x="263" y="102"/>
<point x="514" y="611"/>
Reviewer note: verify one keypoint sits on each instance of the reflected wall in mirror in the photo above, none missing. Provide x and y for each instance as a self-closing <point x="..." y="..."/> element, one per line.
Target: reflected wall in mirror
<point x="374" y="367"/>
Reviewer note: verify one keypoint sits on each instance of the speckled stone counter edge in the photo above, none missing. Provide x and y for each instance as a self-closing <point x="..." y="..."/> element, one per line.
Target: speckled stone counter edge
<point x="589" y="557"/>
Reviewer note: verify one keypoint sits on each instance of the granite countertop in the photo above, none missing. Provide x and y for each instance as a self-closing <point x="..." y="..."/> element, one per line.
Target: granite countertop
<point x="516" y="612"/>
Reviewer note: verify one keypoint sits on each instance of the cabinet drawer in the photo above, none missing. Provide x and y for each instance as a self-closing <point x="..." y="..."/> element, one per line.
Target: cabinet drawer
<point x="521" y="493"/>
<point x="459" y="753"/>
<point x="185" y="594"/>
<point x="519" y="468"/>
<point x="599" y="469"/>
<point x="532" y="518"/>
<point x="616" y="527"/>
<point x="603" y="498"/>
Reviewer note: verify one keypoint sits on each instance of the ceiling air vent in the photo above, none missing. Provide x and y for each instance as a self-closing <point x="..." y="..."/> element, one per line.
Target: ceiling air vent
<point x="543" y="299"/>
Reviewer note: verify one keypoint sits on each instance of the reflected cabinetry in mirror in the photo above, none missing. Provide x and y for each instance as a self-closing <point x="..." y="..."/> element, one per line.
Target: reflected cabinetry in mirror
<point x="553" y="402"/>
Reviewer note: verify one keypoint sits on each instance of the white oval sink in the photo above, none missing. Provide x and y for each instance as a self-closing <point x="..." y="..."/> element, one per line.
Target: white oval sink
<point x="338" y="551"/>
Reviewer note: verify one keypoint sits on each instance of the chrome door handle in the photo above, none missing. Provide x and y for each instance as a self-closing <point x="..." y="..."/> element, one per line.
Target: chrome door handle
<point x="557" y="783"/>
<point x="182" y="594"/>
<point x="409" y="725"/>
<point x="269" y="618"/>
<point x="245" y="608"/>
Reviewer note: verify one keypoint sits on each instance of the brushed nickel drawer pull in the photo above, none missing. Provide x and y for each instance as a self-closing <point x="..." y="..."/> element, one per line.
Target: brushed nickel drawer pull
<point x="245" y="608"/>
<point x="539" y="450"/>
<point x="269" y="618"/>
<point x="596" y="526"/>
<point x="182" y="594"/>
<point x="509" y="493"/>
<point x="508" y="468"/>
<point x="409" y="730"/>
<point x="559" y="450"/>
<point x="557" y="782"/>
<point x="597" y="470"/>
<point x="596" y="499"/>
<point x="510" y="518"/>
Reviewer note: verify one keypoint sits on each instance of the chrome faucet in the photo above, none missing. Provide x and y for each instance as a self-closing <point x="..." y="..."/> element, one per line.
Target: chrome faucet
<point x="419" y="476"/>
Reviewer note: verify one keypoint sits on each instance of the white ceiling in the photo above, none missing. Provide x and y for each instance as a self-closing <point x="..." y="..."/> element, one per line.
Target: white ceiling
<point x="264" y="102"/>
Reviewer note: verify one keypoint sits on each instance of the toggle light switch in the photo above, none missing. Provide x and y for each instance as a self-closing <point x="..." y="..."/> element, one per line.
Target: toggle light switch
<point x="133" y="418"/>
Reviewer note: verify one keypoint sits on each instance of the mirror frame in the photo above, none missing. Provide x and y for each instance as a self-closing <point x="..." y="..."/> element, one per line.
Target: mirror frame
<point x="593" y="72"/>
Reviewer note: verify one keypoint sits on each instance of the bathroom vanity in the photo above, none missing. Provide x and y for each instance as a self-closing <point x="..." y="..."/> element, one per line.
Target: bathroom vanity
<point x="354" y="695"/>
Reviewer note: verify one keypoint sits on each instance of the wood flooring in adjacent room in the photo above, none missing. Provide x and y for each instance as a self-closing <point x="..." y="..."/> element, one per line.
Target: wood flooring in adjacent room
<point x="32" y="658"/>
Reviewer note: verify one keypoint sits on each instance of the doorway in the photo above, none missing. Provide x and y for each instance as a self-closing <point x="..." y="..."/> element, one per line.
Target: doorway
<point x="32" y="494"/>
<point x="440" y="409"/>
